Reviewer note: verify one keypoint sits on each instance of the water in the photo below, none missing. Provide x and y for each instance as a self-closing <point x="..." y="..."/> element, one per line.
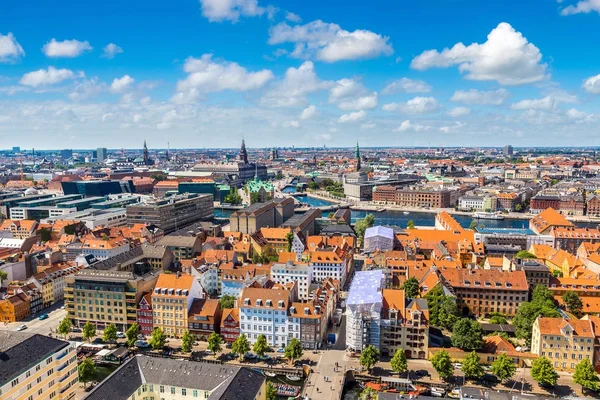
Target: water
<point x="314" y="202"/>
<point x="289" y="189"/>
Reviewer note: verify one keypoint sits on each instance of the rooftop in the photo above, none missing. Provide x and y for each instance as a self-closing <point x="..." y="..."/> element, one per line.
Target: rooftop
<point x="366" y="287"/>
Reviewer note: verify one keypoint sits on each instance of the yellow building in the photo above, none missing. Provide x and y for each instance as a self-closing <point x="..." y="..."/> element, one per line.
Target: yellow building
<point x="564" y="342"/>
<point x="36" y="367"/>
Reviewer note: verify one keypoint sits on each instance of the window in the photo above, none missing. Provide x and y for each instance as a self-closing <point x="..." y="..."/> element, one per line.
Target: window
<point x="195" y="393"/>
<point x="172" y="390"/>
<point x="15" y="382"/>
<point x="184" y="392"/>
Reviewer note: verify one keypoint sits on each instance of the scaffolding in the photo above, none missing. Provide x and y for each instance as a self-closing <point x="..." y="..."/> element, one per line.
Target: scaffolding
<point x="363" y="310"/>
<point x="379" y="238"/>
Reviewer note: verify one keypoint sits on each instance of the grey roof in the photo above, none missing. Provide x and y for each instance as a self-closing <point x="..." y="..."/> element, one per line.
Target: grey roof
<point x="341" y="229"/>
<point x="20" y="351"/>
<point x="179" y="241"/>
<point x="227" y="382"/>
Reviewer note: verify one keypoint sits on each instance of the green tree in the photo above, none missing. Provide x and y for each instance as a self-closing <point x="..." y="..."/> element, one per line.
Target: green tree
<point x="45" y="234"/>
<point x="188" y="341"/>
<point x="442" y="363"/>
<point x="443" y="311"/>
<point x="398" y="362"/>
<point x="87" y="371"/>
<point x="410" y="224"/>
<point x="525" y="254"/>
<point x="497" y="318"/>
<point x="361" y="226"/>
<point x="64" y="327"/>
<point x="228" y="301"/>
<point x="518" y="207"/>
<point x="271" y="392"/>
<point x="586" y="376"/>
<point x="369" y="357"/>
<point x="89" y="331"/>
<point x="132" y="334"/>
<point x="233" y="197"/>
<point x="3" y="276"/>
<point x="261" y="346"/>
<point x="214" y="343"/>
<point x="368" y="394"/>
<point x="473" y="224"/>
<point x="110" y="333"/>
<point x="573" y="303"/>
<point x="293" y="350"/>
<point x="467" y="334"/>
<point x="503" y="367"/>
<point x="557" y="273"/>
<point x="254" y="197"/>
<point x="543" y="372"/>
<point x="313" y="185"/>
<point x="541" y="304"/>
<point x="158" y="339"/>
<point x="289" y="238"/>
<point x="411" y="287"/>
<point x="471" y="366"/>
<point x="241" y="346"/>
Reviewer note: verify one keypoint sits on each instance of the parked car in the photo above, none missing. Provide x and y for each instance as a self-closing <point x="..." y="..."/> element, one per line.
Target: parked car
<point x="489" y="379"/>
<point x="457" y="365"/>
<point x="121" y="335"/>
<point x="98" y="341"/>
<point x="22" y="327"/>
<point x="281" y="350"/>
<point x="142" y="344"/>
<point x="141" y="337"/>
<point x="76" y="330"/>
<point x="43" y="317"/>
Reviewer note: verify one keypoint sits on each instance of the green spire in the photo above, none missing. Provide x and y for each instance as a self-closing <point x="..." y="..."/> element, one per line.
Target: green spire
<point x="357" y="156"/>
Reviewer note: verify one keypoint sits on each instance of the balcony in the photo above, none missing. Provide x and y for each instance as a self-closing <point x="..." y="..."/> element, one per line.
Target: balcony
<point x="65" y="365"/>
<point x="62" y="355"/>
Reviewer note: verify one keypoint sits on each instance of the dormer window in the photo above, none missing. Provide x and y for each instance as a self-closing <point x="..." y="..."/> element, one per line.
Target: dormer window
<point x="259" y="302"/>
<point x="246" y="301"/>
<point x="306" y="311"/>
<point x="280" y="304"/>
<point x="293" y="310"/>
<point x="269" y="303"/>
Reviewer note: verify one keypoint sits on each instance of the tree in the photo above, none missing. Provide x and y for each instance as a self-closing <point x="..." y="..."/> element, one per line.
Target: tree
<point x="158" y="339"/>
<point x="271" y="392"/>
<point x="473" y="225"/>
<point x="442" y="364"/>
<point x="110" y="333"/>
<point x="573" y="303"/>
<point x="214" y="343"/>
<point x="410" y="224"/>
<point x="518" y="207"/>
<point x="64" y="327"/>
<point x="543" y="372"/>
<point x="541" y="305"/>
<point x="312" y="185"/>
<point x="87" y="371"/>
<point x="132" y="334"/>
<point x="241" y="346"/>
<point x="254" y="197"/>
<point x="293" y="351"/>
<point x="471" y="366"/>
<point x="503" y="367"/>
<point x="368" y="394"/>
<point x="411" y="287"/>
<point x="497" y="318"/>
<point x="525" y="254"/>
<point x="557" y="273"/>
<point x="188" y="341"/>
<point x="585" y="375"/>
<point x="228" y="301"/>
<point x="233" y="197"/>
<point x="361" y="226"/>
<point x="467" y="334"/>
<point x="89" y="331"/>
<point x="398" y="362"/>
<point x="369" y="357"/>
<point x="3" y="276"/>
<point x="261" y="346"/>
<point x="443" y="311"/>
<point x="289" y="238"/>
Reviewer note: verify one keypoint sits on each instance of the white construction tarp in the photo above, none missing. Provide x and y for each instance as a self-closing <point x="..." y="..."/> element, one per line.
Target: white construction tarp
<point x="363" y="310"/>
<point x="379" y="238"/>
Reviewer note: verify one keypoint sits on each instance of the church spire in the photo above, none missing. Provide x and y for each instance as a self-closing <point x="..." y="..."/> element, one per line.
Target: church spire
<point x="357" y="156"/>
<point x="243" y="157"/>
<point x="146" y="158"/>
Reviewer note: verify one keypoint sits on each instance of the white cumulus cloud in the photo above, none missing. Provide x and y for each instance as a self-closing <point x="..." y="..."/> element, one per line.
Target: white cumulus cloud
<point x="545" y="103"/>
<point x="111" y="50"/>
<point x="506" y="57"/>
<point x="66" y="48"/>
<point x="119" y="85"/>
<point x="292" y="90"/>
<point x="583" y="6"/>
<point x="406" y="85"/>
<point x="407" y="126"/>
<point x="592" y="84"/>
<point x="473" y="96"/>
<point x="291" y="124"/>
<point x="351" y="95"/>
<point x="418" y="105"/>
<point x="459" y="111"/>
<point x="290" y="16"/>
<point x="329" y="42"/>
<point x="309" y="112"/>
<point x="352" y="117"/>
<point x="10" y="49"/>
<point x="45" y="77"/>
<point x="86" y="89"/>
<point x="230" y="10"/>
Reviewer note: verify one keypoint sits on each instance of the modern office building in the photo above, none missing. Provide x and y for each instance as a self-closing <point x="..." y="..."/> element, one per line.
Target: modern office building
<point x="363" y="310"/>
<point x="36" y="367"/>
<point x="97" y="188"/>
<point x="508" y="150"/>
<point x="101" y="154"/>
<point x="172" y="213"/>
<point x="65" y="154"/>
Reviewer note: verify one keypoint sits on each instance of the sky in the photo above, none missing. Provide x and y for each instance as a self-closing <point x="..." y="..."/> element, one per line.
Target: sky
<point x="205" y="73"/>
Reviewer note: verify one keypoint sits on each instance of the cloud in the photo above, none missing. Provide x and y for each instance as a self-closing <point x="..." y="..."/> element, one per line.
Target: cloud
<point x="406" y="85"/>
<point x="290" y="16"/>
<point x="493" y="97"/>
<point x="452" y="128"/>
<point x="206" y="75"/>
<point x="418" y="105"/>
<point x="43" y="77"/>
<point x="292" y="90"/>
<point x="506" y="57"/>
<point x="309" y="112"/>
<point x="86" y="89"/>
<point x="592" y="84"/>
<point x="119" y="85"/>
<point x="10" y="49"/>
<point x="230" y="10"/>
<point x="329" y="42"/>
<point x="577" y="115"/>
<point x="407" y="126"/>
<point x="111" y="50"/>
<point x="351" y="95"/>
<point x="352" y="117"/>
<point x="546" y="103"/>
<point x="368" y="126"/>
<point x="583" y="6"/>
<point x="459" y="112"/>
<point x="291" y="124"/>
<point x="66" y="48"/>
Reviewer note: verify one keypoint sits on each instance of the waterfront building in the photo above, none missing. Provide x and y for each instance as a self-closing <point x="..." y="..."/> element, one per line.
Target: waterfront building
<point x="262" y="215"/>
<point x="144" y="315"/>
<point x="412" y="197"/>
<point x="236" y="172"/>
<point x="548" y="219"/>
<point x="230" y="324"/>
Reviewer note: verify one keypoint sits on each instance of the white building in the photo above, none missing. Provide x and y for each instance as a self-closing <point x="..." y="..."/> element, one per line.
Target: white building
<point x="363" y="310"/>
<point x="290" y="272"/>
<point x="208" y="276"/>
<point x="264" y="312"/>
<point x="332" y="263"/>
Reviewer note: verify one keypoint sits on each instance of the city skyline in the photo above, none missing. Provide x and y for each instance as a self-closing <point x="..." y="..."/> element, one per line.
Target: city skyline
<point x="388" y="75"/>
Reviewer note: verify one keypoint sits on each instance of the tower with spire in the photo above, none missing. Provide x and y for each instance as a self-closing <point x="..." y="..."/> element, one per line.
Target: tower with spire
<point x="357" y="156"/>
<point x="243" y="157"/>
<point x="146" y="158"/>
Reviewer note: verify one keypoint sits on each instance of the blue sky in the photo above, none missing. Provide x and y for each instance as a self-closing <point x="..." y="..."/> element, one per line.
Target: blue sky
<point x="204" y="73"/>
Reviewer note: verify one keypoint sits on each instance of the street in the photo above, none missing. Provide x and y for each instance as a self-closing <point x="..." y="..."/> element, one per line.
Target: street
<point x="35" y="325"/>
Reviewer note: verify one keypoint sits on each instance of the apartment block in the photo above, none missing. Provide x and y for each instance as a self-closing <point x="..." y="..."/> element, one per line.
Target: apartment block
<point x="290" y="272"/>
<point x="265" y="311"/>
